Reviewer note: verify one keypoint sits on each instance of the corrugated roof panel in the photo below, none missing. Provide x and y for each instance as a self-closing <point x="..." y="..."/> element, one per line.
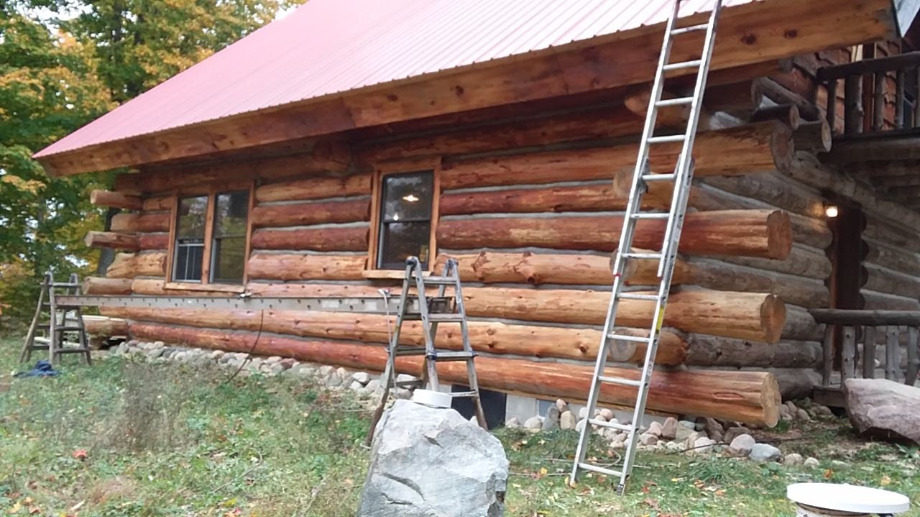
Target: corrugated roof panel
<point x="330" y="46"/>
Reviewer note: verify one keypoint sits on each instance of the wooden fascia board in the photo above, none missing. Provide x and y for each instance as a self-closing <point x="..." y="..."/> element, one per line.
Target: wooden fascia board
<point x="751" y="33"/>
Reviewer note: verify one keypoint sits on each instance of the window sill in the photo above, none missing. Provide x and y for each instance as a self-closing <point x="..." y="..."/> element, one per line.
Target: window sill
<point x="214" y="288"/>
<point x="386" y="274"/>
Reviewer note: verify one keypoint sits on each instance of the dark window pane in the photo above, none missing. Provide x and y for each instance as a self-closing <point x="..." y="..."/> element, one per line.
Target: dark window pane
<point x="402" y="240"/>
<point x="407" y="197"/>
<point x="229" y="259"/>
<point x="187" y="267"/>
<point x="230" y="214"/>
<point x="192" y="217"/>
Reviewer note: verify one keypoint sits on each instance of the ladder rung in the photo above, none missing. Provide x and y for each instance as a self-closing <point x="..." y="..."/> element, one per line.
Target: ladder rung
<point x="64" y="284"/>
<point x="452" y="356"/>
<point x="410" y="350"/>
<point x="612" y="425"/>
<point x="461" y="394"/>
<point x="691" y="28"/>
<point x="642" y="255"/>
<point x="677" y="101"/>
<point x="600" y="470"/>
<point x="620" y="380"/>
<point x="659" y="177"/>
<point x="60" y="328"/>
<point x="71" y="350"/>
<point x="438" y="280"/>
<point x="638" y="296"/>
<point x="449" y="317"/>
<point x="651" y="215"/>
<point x="623" y="337"/>
<point x="666" y="139"/>
<point x="682" y="65"/>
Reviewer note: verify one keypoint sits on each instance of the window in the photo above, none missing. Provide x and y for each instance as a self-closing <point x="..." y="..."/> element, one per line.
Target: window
<point x="216" y="254"/>
<point x="405" y="219"/>
<point x="190" y="229"/>
<point x="229" y="247"/>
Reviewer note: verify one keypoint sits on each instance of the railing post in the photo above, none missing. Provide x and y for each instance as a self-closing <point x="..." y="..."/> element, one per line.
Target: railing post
<point x="828" y="350"/>
<point x="899" y="100"/>
<point x="832" y="105"/>
<point x="868" y="358"/>
<point x="892" y="353"/>
<point x="848" y="366"/>
<point x="878" y="104"/>
<point x="853" y="110"/>
<point x="913" y="355"/>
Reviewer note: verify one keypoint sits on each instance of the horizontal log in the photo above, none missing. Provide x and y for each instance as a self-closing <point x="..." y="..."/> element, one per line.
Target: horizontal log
<point x="764" y="146"/>
<point x="858" y="317"/>
<point x="304" y="214"/>
<point x="774" y="189"/>
<point x="883" y="280"/>
<point x="102" y="326"/>
<point x="111" y="199"/>
<point x="801" y="326"/>
<point x="130" y="265"/>
<point x="350" y="238"/>
<point x="750" y="397"/>
<point x="157" y="203"/>
<point x="492" y="337"/>
<point x="265" y="266"/>
<point x="737" y="99"/>
<point x="739" y="353"/>
<point x="156" y="222"/>
<point x="111" y="286"/>
<point x="888" y="302"/>
<point x="811" y="232"/>
<point x="318" y="187"/>
<point x="758" y="233"/>
<point x="894" y="258"/>
<point x="119" y="241"/>
<point x="813" y="137"/>
<point x="153" y="241"/>
<point x="802" y="261"/>
<point x="786" y="113"/>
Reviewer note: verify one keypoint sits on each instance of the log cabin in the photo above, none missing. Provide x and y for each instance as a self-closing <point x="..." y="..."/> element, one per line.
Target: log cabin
<point x="311" y="157"/>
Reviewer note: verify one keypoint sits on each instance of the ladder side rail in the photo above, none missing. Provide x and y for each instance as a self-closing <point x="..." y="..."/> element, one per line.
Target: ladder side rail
<point x="683" y="172"/>
<point x="26" y="354"/>
<point x="81" y="327"/>
<point x="52" y="325"/>
<point x="453" y="270"/>
<point x="428" y="328"/>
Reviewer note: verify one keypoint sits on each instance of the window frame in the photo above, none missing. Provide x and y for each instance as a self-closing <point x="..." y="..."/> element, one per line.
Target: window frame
<point x="381" y="171"/>
<point x="205" y="283"/>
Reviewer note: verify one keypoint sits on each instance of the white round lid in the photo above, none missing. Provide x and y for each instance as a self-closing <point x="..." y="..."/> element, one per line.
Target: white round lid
<point x="847" y="498"/>
<point x="431" y="398"/>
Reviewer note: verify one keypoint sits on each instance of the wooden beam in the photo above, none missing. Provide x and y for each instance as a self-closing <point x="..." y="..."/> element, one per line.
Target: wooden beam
<point x="113" y="240"/>
<point x="111" y="199"/>
<point x="130" y="265"/>
<point x="748" y="34"/>
<point x="305" y="214"/>
<point x="345" y="238"/>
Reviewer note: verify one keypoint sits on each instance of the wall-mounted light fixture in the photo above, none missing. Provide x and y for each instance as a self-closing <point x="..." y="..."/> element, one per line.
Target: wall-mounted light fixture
<point x="831" y="211"/>
<point x="412" y="198"/>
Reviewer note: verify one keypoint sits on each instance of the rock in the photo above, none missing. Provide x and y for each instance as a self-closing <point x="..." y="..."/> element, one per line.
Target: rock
<point x="741" y="445"/>
<point x="533" y="423"/>
<point x="356" y="387"/>
<point x="702" y="445"/>
<point x="562" y="405"/>
<point x="801" y="414"/>
<point x="551" y="420"/>
<point x="428" y="461"/>
<point x="155" y="353"/>
<point x="734" y="432"/>
<point x="406" y="378"/>
<point x="215" y="355"/>
<point x="654" y="429"/>
<point x="784" y="413"/>
<point x="648" y="439"/>
<point x="567" y="420"/>
<point x="884" y="409"/>
<point x="821" y="412"/>
<point x="401" y="393"/>
<point x="334" y="380"/>
<point x="675" y="447"/>
<point x="692" y="437"/>
<point x="374" y="385"/>
<point x="513" y="423"/>
<point x="792" y="407"/>
<point x="765" y="452"/>
<point x="580" y="426"/>
<point x="362" y="377"/>
<point x="713" y="429"/>
<point x="669" y="428"/>
<point x="683" y="432"/>
<point x="325" y="370"/>
<point x="811" y="463"/>
<point x="273" y="359"/>
<point x="607" y="414"/>
<point x="276" y="369"/>
<point x="793" y="459"/>
<point x="618" y="444"/>
<point x="288" y="362"/>
<point x="583" y="413"/>
<point x="304" y="370"/>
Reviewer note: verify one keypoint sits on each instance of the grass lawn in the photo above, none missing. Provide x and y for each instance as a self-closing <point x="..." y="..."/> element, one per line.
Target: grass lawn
<point x="124" y="438"/>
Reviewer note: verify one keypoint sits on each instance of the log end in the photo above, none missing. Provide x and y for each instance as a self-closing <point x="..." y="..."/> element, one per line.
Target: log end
<point x="779" y="235"/>
<point x="782" y="146"/>
<point x="773" y="318"/>
<point x="770" y="400"/>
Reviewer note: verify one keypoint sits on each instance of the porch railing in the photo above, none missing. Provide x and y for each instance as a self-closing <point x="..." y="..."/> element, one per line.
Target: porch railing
<point x="868" y="86"/>
<point x="871" y="344"/>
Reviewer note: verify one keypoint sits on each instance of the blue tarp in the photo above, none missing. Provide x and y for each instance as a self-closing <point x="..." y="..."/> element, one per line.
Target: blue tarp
<point x="41" y="369"/>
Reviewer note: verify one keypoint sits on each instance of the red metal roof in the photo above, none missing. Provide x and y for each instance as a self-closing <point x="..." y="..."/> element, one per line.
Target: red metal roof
<point x="331" y="46"/>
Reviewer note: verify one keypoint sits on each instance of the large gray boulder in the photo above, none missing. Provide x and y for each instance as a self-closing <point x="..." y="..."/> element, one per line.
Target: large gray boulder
<point x="883" y="408"/>
<point x="433" y="462"/>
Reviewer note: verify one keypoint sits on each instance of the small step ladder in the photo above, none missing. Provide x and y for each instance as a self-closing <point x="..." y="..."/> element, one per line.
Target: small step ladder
<point x="432" y="311"/>
<point x="681" y="178"/>
<point x="62" y="320"/>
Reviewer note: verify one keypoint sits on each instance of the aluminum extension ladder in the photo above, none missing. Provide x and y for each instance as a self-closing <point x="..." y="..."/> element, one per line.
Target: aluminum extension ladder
<point x="58" y="324"/>
<point x="432" y="311"/>
<point x="681" y="177"/>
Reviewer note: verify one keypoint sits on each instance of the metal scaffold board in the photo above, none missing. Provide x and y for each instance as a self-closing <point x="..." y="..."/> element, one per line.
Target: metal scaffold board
<point x="367" y="305"/>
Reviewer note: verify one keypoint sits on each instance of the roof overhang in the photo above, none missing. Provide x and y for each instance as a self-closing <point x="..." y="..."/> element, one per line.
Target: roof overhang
<point x="748" y="34"/>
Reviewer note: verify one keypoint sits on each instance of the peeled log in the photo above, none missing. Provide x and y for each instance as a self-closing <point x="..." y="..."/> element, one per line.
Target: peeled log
<point x="153" y="241"/>
<point x="737" y="99"/>
<point x="303" y="214"/>
<point x="118" y="241"/>
<point x="350" y="238"/>
<point x="802" y="261"/>
<point x="306" y="267"/>
<point x="115" y="200"/>
<point x="140" y="223"/>
<point x="755" y="233"/>
<point x="749" y="397"/>
<point x="315" y="188"/>
<point x="101" y="326"/>
<point x="153" y="204"/>
<point x="741" y="353"/>
<point x="112" y="286"/>
<point x="491" y="337"/>
<point x="813" y="137"/>
<point x="786" y="113"/>
<point x="130" y="265"/>
<point x="764" y="146"/>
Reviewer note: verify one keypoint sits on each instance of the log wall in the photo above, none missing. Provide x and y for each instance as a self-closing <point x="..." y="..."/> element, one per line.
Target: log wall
<point x="532" y="212"/>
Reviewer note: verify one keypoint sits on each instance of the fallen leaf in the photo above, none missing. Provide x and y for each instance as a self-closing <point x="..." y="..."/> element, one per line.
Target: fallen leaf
<point x="886" y="481"/>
